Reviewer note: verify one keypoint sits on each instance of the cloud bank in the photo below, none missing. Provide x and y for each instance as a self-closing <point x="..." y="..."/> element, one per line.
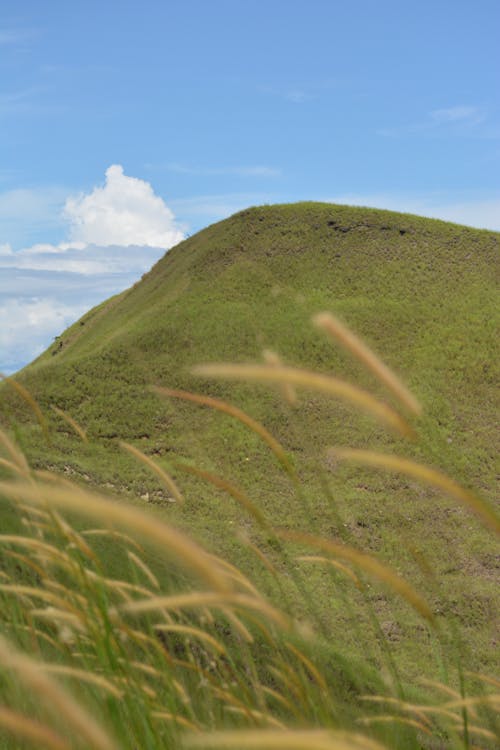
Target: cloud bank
<point x="125" y="211"/>
<point x="114" y="234"/>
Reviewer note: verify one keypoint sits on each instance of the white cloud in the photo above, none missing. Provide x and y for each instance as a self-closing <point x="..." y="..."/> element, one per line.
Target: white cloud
<point x="123" y="212"/>
<point x="87" y="260"/>
<point x="116" y="233"/>
<point x="29" y="327"/>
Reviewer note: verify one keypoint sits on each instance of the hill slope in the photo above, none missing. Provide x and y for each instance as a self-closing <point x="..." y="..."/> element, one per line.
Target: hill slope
<point x="423" y="293"/>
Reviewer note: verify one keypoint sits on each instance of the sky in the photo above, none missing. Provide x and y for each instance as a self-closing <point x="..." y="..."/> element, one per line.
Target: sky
<point x="125" y="126"/>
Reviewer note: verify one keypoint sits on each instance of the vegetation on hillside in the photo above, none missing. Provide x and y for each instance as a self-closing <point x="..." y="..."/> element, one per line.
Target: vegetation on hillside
<point x="332" y="590"/>
<point x="202" y="659"/>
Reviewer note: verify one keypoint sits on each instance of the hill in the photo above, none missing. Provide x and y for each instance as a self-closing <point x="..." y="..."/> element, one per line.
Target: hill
<point x="421" y="292"/>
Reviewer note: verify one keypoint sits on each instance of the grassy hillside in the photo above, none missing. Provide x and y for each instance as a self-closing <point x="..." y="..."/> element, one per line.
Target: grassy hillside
<point x="422" y="293"/>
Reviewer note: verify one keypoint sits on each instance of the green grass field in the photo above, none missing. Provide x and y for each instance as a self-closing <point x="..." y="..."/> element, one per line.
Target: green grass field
<point x="423" y="295"/>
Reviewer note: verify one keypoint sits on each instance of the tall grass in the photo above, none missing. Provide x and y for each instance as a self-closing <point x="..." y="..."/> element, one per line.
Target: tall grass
<point x="198" y="656"/>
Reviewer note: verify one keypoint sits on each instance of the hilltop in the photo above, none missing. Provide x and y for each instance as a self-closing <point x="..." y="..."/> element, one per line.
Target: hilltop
<point x="422" y="293"/>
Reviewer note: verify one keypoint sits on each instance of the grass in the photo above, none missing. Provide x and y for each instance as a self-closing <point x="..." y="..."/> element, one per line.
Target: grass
<point x="198" y="657"/>
<point x="383" y="579"/>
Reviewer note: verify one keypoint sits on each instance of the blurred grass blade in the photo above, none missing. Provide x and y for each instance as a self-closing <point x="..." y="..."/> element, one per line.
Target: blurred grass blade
<point x="316" y="381"/>
<point x="232" y="411"/>
<point x="176" y="544"/>
<point x="84" y="675"/>
<point x="139" y="563"/>
<point x="27" y="729"/>
<point x="335" y="564"/>
<point x="192" y="632"/>
<point x="394" y="718"/>
<point x="368" y="564"/>
<point x="72" y="423"/>
<point x="32" y="403"/>
<point x="425" y="474"/>
<point x="16" y="455"/>
<point x="271" y="739"/>
<point x="166" y="479"/>
<point x="313" y="671"/>
<point x="197" y="599"/>
<point x="56" y="699"/>
<point x="235" y="492"/>
<point x="289" y="392"/>
<point x="368" y="358"/>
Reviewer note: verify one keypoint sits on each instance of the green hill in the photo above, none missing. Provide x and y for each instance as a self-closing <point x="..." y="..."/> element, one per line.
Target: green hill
<point x="422" y="293"/>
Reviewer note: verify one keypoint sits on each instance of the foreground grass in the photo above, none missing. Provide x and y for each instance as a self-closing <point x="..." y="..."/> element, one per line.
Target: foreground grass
<point x="421" y="291"/>
<point x="127" y="633"/>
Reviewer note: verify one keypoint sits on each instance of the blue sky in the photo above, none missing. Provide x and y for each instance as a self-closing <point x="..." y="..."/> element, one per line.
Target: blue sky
<point x="201" y="108"/>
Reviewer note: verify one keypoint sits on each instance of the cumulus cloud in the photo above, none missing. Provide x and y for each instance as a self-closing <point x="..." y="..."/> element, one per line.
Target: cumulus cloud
<point x="115" y="233"/>
<point x="125" y="211"/>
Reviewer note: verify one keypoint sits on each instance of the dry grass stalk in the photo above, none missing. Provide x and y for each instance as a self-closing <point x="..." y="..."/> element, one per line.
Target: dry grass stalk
<point x="290" y="682"/>
<point x="114" y="534"/>
<point x="485" y="678"/>
<point x="269" y="739"/>
<point x="313" y="380"/>
<point x="25" y="560"/>
<point x="165" y="478"/>
<point x="335" y="564"/>
<point x="367" y="563"/>
<point x="181" y="720"/>
<point x="145" y="569"/>
<point x="27" y="729"/>
<point x="422" y="473"/>
<point x="59" y="617"/>
<point x="313" y="671"/>
<point x="83" y="675"/>
<point x="11" y="466"/>
<point x="72" y="423"/>
<point x="43" y="549"/>
<point x="39" y="593"/>
<point x="289" y="392"/>
<point x="192" y="632"/>
<point x="237" y="624"/>
<point x="56" y="699"/>
<point x="258" y="717"/>
<point x="238" y="414"/>
<point x="17" y="456"/>
<point x="197" y="599"/>
<point x="277" y="696"/>
<point x="368" y="358"/>
<point x="32" y="403"/>
<point x="236" y="574"/>
<point x="258" y="552"/>
<point x="392" y="719"/>
<point x="235" y="492"/>
<point x="73" y="536"/>
<point x="176" y="544"/>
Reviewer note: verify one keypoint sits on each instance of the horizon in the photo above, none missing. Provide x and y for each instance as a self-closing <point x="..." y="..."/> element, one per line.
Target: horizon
<point x="141" y="127"/>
